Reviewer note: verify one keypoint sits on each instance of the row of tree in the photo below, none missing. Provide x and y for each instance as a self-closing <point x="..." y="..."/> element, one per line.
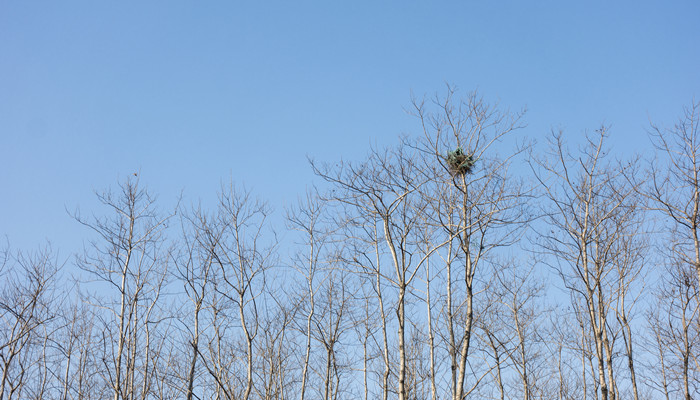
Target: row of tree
<point x="434" y="269"/>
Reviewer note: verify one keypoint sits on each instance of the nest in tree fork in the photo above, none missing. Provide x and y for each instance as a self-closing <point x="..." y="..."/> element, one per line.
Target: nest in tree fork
<point x="459" y="162"/>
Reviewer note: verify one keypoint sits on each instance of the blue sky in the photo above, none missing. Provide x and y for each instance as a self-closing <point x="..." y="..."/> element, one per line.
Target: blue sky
<point x="191" y="94"/>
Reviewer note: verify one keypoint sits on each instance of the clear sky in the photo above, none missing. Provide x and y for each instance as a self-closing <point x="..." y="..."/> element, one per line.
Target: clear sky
<point x="192" y="93"/>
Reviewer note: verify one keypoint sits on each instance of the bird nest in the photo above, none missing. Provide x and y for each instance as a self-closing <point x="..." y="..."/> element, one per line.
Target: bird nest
<point x="459" y="162"/>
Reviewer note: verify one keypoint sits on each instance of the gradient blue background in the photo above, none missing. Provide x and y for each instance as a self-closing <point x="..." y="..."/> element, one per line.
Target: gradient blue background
<point x="190" y="94"/>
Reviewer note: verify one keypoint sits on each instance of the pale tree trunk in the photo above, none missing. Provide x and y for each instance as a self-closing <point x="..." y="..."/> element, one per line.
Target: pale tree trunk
<point x="523" y="357"/>
<point x="661" y="348"/>
<point x="583" y="363"/>
<point x="249" y="351"/>
<point x="195" y="352"/>
<point x="686" y="357"/>
<point x="66" y="375"/>
<point x="596" y="323"/>
<point x="493" y="343"/>
<point x="452" y="344"/>
<point x="431" y="335"/>
<point x="122" y="322"/>
<point x="627" y="337"/>
<point x="560" y="373"/>
<point x="400" y="314"/>
<point x="385" y="343"/>
<point x="630" y="268"/>
<point x="307" y="354"/>
<point x="469" y="291"/>
<point x="464" y="350"/>
<point x="400" y="268"/>
<point x="327" y="381"/>
<point x="607" y="349"/>
<point x="383" y="318"/>
<point x="364" y="368"/>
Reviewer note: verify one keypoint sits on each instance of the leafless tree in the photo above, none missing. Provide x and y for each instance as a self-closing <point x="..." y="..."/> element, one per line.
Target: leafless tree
<point x="128" y="259"/>
<point x="673" y="192"/>
<point x="26" y="300"/>
<point x="242" y="253"/>
<point x="675" y="183"/>
<point x="332" y="323"/>
<point x="366" y="326"/>
<point x="275" y="350"/>
<point x="408" y="277"/>
<point x="376" y="321"/>
<point x="519" y="293"/>
<point x="628" y="256"/>
<point x="428" y="242"/>
<point x="308" y="218"/>
<point x="196" y="270"/>
<point x="70" y="347"/>
<point x="674" y="323"/>
<point x="383" y="203"/>
<point x="592" y="214"/>
<point x="563" y="350"/>
<point x="473" y="198"/>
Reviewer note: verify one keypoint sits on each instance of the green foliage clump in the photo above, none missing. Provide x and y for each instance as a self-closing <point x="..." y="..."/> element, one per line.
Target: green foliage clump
<point x="459" y="162"/>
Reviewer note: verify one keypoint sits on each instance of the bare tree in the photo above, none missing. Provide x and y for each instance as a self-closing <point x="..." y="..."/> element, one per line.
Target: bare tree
<point x="70" y="343"/>
<point x="674" y="323"/>
<point x="331" y="324"/>
<point x="674" y="192"/>
<point x="242" y="258"/>
<point x="675" y="183"/>
<point x="383" y="203"/>
<point x="428" y="242"/>
<point x="592" y="212"/>
<point x="404" y="280"/>
<point x="473" y="200"/>
<point x="26" y="299"/>
<point x="308" y="218"/>
<point x="196" y="270"/>
<point x="129" y="259"/>
<point x="369" y="243"/>
<point x="628" y="256"/>
<point x="275" y="350"/>
<point x="519" y="293"/>
<point x="366" y="326"/>
<point x="563" y="351"/>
